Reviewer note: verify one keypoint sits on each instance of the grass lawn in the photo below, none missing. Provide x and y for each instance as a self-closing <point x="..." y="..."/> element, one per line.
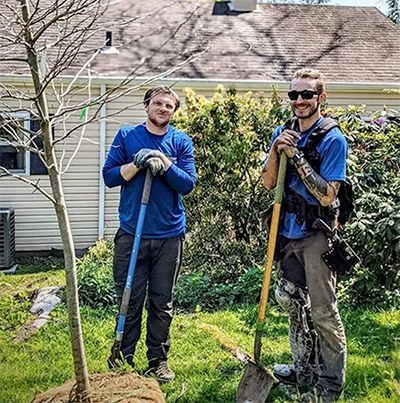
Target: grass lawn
<point x="205" y="372"/>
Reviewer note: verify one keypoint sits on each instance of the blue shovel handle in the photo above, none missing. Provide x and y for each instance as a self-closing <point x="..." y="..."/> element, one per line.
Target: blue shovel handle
<point x="132" y="263"/>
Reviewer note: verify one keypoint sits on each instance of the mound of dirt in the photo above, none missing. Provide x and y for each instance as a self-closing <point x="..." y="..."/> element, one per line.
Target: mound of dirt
<point x="108" y="388"/>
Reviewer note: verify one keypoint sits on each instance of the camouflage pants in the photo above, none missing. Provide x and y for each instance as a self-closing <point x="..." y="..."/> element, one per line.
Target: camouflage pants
<point x="306" y="290"/>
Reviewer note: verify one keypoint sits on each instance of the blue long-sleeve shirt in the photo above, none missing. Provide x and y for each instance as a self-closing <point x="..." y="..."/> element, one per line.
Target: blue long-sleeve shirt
<point x="165" y="215"/>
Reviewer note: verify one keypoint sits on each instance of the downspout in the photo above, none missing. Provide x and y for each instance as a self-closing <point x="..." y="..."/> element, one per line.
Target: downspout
<point x="102" y="156"/>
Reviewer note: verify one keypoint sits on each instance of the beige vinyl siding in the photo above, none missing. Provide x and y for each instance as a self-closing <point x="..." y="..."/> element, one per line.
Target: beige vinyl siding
<point x="372" y="101"/>
<point x="36" y="223"/>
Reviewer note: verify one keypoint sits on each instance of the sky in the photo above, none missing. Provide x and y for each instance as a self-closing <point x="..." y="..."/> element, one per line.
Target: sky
<point x="380" y="4"/>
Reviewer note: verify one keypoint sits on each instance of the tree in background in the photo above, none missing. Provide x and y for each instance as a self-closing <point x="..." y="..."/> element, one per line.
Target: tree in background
<point x="394" y="10"/>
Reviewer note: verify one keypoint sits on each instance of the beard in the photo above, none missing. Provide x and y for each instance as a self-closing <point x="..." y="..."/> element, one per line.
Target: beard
<point x="311" y="113"/>
<point x="160" y="124"/>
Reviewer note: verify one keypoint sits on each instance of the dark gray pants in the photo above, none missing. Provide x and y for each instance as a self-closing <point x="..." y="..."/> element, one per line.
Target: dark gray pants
<point x="307" y="291"/>
<point x="156" y="272"/>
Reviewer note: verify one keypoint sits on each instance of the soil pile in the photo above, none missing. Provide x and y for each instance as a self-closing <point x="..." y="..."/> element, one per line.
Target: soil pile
<point x="108" y="388"/>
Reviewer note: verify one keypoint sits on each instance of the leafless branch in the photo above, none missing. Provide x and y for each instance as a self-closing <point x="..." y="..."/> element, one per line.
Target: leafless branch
<point x="6" y="172"/>
<point x="117" y="93"/>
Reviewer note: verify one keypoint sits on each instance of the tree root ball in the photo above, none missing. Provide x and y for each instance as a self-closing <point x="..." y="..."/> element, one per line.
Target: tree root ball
<point x="108" y="388"/>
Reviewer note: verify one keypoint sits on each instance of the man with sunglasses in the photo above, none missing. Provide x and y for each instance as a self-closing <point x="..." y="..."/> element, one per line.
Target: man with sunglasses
<point x="306" y="286"/>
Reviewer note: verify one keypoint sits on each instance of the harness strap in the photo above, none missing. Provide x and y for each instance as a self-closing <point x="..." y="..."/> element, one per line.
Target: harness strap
<point x="293" y="202"/>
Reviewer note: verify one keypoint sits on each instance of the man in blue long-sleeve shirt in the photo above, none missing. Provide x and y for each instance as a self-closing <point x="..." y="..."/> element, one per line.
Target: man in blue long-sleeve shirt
<point x="168" y="154"/>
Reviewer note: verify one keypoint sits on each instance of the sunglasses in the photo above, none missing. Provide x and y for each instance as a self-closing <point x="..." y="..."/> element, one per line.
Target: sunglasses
<point x="305" y="94"/>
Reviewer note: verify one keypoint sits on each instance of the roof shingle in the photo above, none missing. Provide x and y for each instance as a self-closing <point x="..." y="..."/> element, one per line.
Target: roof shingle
<point x="347" y="44"/>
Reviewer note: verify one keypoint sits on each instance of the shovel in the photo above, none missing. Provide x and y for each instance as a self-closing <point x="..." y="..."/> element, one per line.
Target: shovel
<point x="123" y="310"/>
<point x="257" y="381"/>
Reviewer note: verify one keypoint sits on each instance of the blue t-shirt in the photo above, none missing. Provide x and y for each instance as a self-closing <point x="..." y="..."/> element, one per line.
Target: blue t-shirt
<point x="333" y="152"/>
<point x="165" y="215"/>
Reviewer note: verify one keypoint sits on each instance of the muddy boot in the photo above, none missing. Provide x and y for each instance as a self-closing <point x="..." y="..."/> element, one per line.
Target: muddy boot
<point x="286" y="374"/>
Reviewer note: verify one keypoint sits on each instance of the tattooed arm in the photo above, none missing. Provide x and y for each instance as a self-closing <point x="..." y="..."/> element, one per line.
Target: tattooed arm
<point x="325" y="192"/>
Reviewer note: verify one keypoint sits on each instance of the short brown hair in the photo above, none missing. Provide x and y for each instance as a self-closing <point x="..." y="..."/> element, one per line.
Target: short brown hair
<point x="313" y="74"/>
<point x="161" y="89"/>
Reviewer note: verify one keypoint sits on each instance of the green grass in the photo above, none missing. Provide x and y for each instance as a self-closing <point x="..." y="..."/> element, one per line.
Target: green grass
<point x="205" y="372"/>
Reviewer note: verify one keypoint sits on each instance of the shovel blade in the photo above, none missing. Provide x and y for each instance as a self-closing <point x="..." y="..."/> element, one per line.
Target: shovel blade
<point x="255" y="384"/>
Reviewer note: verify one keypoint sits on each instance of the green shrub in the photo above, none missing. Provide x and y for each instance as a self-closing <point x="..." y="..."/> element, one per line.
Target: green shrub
<point x="225" y="246"/>
<point x="374" y="231"/>
<point x="95" y="280"/>
<point x="231" y="134"/>
<point x="201" y="289"/>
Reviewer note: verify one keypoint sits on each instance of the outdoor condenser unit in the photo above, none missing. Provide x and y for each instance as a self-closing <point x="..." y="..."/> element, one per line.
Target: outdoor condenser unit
<point x="7" y="238"/>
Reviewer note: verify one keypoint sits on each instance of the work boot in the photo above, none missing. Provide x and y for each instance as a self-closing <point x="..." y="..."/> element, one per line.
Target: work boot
<point x="286" y="374"/>
<point x="162" y="372"/>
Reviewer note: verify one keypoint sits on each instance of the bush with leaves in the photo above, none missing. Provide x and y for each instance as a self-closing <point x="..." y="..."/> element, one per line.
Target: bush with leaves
<point x="95" y="280"/>
<point x="374" y="231"/>
<point x="231" y="133"/>
<point x="201" y="289"/>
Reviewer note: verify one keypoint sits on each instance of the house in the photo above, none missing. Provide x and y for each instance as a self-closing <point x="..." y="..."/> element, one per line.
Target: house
<point x="356" y="48"/>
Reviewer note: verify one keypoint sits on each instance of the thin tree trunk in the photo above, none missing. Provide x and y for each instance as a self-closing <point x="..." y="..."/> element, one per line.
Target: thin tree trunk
<point x="78" y="351"/>
<point x="81" y="372"/>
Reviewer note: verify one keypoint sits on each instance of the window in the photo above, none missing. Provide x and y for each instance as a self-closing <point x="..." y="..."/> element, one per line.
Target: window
<point x="36" y="165"/>
<point x="12" y="156"/>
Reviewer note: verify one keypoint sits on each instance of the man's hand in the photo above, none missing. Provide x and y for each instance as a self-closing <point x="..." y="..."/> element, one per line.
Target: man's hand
<point x="287" y="142"/>
<point x="144" y="154"/>
<point x="155" y="165"/>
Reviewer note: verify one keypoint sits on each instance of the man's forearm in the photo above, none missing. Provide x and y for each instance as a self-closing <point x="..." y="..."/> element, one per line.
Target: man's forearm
<point x="269" y="171"/>
<point x="325" y="192"/>
<point x="180" y="180"/>
<point x="128" y="171"/>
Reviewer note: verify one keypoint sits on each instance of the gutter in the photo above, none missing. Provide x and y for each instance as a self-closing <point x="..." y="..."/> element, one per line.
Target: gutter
<point x="199" y="83"/>
<point x="102" y="157"/>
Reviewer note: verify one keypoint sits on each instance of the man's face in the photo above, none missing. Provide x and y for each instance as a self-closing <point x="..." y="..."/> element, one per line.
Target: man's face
<point x="305" y="108"/>
<point x="160" y="109"/>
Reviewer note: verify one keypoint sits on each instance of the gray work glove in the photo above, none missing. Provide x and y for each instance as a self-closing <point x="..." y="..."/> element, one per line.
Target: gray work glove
<point x="140" y="158"/>
<point x="155" y="165"/>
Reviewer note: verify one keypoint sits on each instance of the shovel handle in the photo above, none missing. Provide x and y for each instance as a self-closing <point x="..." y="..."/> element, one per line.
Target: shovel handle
<point x="123" y="310"/>
<point x="272" y="240"/>
<point x="147" y="188"/>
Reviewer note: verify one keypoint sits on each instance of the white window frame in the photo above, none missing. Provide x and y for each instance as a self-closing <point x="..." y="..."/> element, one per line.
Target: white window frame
<point x="27" y="160"/>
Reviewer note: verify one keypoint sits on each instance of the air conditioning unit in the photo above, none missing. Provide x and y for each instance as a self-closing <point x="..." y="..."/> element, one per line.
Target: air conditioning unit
<point x="7" y="240"/>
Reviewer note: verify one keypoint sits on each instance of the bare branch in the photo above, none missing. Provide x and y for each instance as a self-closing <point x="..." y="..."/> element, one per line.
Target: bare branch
<point x="112" y="95"/>
<point x="81" y="9"/>
<point x="13" y="59"/>
<point x="6" y="172"/>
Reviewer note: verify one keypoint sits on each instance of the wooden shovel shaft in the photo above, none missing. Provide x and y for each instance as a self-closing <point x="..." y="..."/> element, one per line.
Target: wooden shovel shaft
<point x="273" y="233"/>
